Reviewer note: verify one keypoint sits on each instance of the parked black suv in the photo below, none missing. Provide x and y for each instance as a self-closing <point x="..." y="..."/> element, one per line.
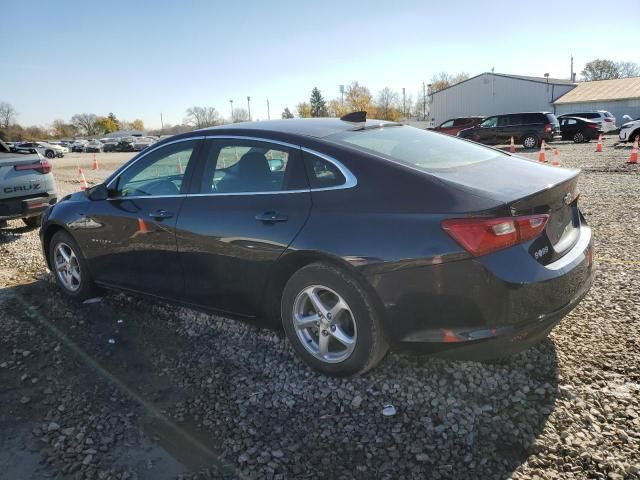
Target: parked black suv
<point x="526" y="128"/>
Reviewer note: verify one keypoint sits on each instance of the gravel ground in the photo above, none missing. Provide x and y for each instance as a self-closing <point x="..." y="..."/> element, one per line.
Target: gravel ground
<point x="129" y="388"/>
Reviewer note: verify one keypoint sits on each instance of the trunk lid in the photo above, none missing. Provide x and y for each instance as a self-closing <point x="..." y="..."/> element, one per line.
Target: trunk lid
<point x="18" y="183"/>
<point x="527" y="188"/>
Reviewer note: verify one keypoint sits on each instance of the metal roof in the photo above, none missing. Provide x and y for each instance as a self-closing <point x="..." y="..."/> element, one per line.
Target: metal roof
<point x="550" y="81"/>
<point x="603" y="90"/>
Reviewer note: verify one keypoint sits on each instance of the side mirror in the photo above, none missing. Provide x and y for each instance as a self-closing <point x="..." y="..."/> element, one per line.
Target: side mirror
<point x="99" y="192"/>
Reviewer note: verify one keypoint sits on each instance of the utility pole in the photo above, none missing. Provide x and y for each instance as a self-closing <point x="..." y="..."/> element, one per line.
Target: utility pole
<point x="161" y="124"/>
<point x="404" y="103"/>
<point x="249" y="106"/>
<point x="341" y="88"/>
<point x="268" y="112"/>
<point x="572" y="76"/>
<point x="424" y="103"/>
<point x="231" y="102"/>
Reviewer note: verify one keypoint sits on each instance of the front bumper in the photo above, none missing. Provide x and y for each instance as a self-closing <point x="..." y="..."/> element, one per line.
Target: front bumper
<point x="625" y="134"/>
<point x="25" y="207"/>
<point x="483" y="307"/>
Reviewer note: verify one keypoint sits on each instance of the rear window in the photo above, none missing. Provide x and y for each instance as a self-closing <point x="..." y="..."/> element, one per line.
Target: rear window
<point x="415" y="147"/>
<point x="607" y="114"/>
<point x="552" y="118"/>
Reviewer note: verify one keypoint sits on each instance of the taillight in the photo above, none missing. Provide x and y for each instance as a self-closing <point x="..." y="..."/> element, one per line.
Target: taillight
<point x="43" y="166"/>
<point x="548" y="128"/>
<point x="608" y="120"/>
<point x="592" y="125"/>
<point x="480" y="236"/>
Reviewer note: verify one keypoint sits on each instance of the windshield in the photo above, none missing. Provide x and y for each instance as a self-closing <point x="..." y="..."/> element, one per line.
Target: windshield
<point x="415" y="147"/>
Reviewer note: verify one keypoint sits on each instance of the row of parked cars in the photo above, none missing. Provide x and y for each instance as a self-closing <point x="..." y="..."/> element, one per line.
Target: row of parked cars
<point x="53" y="149"/>
<point x="530" y="128"/>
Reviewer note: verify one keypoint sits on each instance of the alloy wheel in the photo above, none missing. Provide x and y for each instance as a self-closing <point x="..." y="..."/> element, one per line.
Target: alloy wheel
<point x="67" y="267"/>
<point x="529" y="142"/>
<point x="324" y="324"/>
<point x="578" y="137"/>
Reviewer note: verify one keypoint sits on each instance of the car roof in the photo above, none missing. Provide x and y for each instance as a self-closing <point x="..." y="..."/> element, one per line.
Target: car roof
<point x="311" y="127"/>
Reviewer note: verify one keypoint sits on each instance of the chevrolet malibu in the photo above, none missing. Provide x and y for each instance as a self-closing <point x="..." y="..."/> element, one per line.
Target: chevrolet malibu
<point x="355" y="235"/>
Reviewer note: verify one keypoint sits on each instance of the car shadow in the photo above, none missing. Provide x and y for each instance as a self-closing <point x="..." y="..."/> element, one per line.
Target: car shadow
<point x="9" y="234"/>
<point x="235" y="399"/>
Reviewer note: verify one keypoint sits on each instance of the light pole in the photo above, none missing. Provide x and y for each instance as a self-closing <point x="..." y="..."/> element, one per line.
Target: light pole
<point x="268" y="112"/>
<point x="231" y="102"/>
<point x="404" y="103"/>
<point x="341" y="88"/>
<point x="249" y="106"/>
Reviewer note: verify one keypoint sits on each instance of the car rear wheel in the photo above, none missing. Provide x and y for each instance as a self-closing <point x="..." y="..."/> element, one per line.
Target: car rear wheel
<point x="32" y="222"/>
<point x="635" y="136"/>
<point x="70" y="267"/>
<point x="49" y="154"/>
<point x="578" y="137"/>
<point x="529" y="141"/>
<point x="331" y="321"/>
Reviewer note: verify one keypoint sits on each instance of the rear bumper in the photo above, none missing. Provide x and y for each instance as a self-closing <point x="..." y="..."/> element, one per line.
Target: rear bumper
<point x="25" y="207"/>
<point x="484" y="307"/>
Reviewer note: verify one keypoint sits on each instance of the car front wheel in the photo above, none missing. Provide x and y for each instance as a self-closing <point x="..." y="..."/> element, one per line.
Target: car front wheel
<point x="578" y="137"/>
<point x="529" y="141"/>
<point x="49" y="154"/>
<point x="70" y="267"/>
<point x="331" y="321"/>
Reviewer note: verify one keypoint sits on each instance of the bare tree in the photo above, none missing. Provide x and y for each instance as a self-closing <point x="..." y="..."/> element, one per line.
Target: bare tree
<point x="240" y="115"/>
<point x="387" y="105"/>
<point x="7" y="114"/>
<point x="443" y="80"/>
<point x="85" y="123"/>
<point x="202" y="117"/>
<point x="628" y="69"/>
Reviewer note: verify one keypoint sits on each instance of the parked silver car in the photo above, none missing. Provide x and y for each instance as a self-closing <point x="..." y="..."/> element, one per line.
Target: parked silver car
<point x="27" y="187"/>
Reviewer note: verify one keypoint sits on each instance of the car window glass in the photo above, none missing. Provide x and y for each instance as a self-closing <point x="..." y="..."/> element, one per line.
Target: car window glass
<point x="246" y="167"/>
<point x="447" y="124"/>
<point x="504" y="121"/>
<point x="458" y="122"/>
<point x="324" y="174"/>
<point x="489" y="122"/>
<point x="159" y="173"/>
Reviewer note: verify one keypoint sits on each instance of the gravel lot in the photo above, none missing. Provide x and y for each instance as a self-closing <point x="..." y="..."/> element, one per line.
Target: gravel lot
<point x="134" y="389"/>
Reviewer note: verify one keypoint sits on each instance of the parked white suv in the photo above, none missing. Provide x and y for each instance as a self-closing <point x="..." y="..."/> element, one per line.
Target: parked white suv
<point x="605" y="119"/>
<point x="630" y="131"/>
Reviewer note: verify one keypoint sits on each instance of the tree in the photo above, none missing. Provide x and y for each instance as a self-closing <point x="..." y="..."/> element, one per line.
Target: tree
<point x="358" y="98"/>
<point x="318" y="104"/>
<point x="85" y="123"/>
<point x="304" y="110"/>
<point x="240" y="115"/>
<point x="600" y="69"/>
<point x="7" y="114"/>
<point x="444" y="80"/>
<point x="105" y="125"/>
<point x="286" y="113"/>
<point x="61" y="129"/>
<point x="628" y="69"/>
<point x="387" y="105"/>
<point x="137" y="124"/>
<point x="113" y="118"/>
<point x="336" y="108"/>
<point x="202" y="117"/>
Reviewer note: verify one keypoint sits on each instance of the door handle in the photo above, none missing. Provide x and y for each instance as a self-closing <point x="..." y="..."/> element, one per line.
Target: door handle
<point x="160" y="214"/>
<point x="271" y="217"/>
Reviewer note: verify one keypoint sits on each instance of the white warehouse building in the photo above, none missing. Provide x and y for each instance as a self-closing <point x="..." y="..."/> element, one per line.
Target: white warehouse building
<point x="495" y="93"/>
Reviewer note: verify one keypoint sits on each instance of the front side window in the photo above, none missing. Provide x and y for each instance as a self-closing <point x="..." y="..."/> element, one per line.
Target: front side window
<point x="490" y="122"/>
<point x="415" y="147"/>
<point x="447" y="124"/>
<point x="159" y="173"/>
<point x="244" y="166"/>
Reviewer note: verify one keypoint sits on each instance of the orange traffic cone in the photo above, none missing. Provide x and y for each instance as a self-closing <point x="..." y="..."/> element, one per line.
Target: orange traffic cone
<point x="556" y="158"/>
<point x="599" y="145"/>
<point x="142" y="226"/>
<point x="95" y="165"/>
<point x="634" y="152"/>
<point x="512" y="147"/>
<point x="541" y="157"/>
<point x="83" y="181"/>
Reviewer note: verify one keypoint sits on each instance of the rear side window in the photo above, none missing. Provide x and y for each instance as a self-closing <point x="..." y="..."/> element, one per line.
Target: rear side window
<point x="607" y="114"/>
<point x="415" y="147"/>
<point x="530" y="118"/>
<point x="458" y="122"/>
<point x="322" y="173"/>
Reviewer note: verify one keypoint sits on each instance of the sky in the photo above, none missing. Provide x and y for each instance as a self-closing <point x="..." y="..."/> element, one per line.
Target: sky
<point x="141" y="58"/>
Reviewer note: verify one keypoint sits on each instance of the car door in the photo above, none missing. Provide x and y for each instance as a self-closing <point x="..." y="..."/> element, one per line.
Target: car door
<point x="253" y="199"/>
<point x="129" y="239"/>
<point x="486" y="132"/>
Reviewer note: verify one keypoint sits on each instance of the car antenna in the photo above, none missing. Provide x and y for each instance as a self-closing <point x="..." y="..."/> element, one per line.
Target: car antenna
<point x="355" y="117"/>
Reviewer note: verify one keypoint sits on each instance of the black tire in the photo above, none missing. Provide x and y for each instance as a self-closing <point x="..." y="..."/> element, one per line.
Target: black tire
<point x="32" y="222"/>
<point x="86" y="288"/>
<point x="579" y="137"/>
<point x="635" y="136"/>
<point x="530" y="141"/>
<point x="369" y="343"/>
<point x="49" y="154"/>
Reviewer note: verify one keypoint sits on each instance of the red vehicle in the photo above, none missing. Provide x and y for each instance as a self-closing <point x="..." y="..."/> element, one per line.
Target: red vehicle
<point x="454" y="125"/>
